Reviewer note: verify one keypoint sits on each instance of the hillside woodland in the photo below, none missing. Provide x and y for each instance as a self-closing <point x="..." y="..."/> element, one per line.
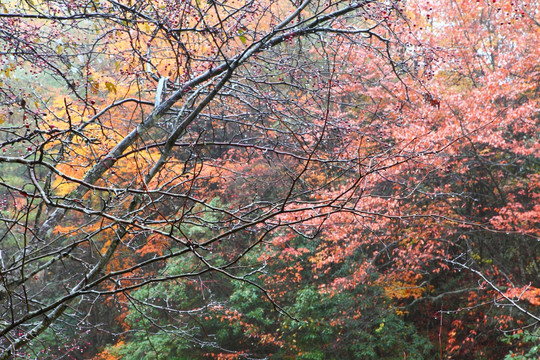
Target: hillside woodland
<point x="269" y="179"/>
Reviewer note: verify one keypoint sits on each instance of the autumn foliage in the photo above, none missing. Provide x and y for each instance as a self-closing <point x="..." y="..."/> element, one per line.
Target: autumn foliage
<point x="270" y="179"/>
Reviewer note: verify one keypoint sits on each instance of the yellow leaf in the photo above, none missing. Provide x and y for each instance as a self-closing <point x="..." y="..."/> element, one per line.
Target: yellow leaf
<point x="59" y="49"/>
<point x="2" y="119"/>
<point x="110" y="86"/>
<point x="94" y="87"/>
<point x="242" y="36"/>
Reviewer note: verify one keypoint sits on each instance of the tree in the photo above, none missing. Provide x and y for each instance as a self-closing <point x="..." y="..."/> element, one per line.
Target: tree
<point x="365" y="169"/>
<point x="122" y="121"/>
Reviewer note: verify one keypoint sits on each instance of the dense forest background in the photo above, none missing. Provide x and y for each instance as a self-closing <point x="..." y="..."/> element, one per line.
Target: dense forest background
<point x="269" y="179"/>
